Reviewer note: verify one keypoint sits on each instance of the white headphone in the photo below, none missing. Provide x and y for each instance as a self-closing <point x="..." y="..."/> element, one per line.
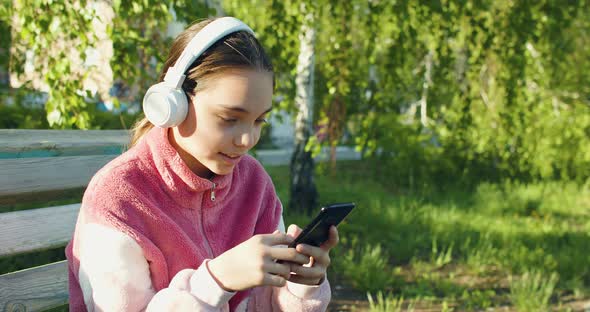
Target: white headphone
<point x="165" y="104"/>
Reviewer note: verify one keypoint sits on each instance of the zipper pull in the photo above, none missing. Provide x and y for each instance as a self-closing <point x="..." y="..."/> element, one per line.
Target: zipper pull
<point x="213" y="192"/>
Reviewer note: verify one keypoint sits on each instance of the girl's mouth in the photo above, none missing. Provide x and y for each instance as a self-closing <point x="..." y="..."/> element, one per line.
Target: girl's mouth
<point x="233" y="159"/>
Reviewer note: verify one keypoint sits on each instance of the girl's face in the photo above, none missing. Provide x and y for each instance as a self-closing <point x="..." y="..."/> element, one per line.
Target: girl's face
<point x="224" y="121"/>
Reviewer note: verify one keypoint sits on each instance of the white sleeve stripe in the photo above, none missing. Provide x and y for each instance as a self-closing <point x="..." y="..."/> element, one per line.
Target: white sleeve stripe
<point x="113" y="273"/>
<point x="281" y="227"/>
<point x="204" y="287"/>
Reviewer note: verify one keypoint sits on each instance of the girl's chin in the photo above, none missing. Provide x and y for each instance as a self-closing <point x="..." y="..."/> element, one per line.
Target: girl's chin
<point x="222" y="169"/>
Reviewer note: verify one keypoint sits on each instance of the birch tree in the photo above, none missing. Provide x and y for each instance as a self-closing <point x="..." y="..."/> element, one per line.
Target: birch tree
<point x="303" y="195"/>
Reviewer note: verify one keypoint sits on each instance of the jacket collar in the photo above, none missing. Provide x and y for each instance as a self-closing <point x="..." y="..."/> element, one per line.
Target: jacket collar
<point x="181" y="182"/>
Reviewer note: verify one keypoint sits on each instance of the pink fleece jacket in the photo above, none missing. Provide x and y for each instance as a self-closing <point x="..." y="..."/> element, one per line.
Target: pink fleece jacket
<point x="148" y="225"/>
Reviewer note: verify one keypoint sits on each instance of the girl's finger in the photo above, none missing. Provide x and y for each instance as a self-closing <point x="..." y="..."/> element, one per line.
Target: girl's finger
<point x="304" y="280"/>
<point x="274" y="280"/>
<point x="308" y="272"/>
<point x="276" y="238"/>
<point x="282" y="269"/>
<point x="320" y="256"/>
<point x="294" y="230"/>
<point x="332" y="240"/>
<point x="288" y="254"/>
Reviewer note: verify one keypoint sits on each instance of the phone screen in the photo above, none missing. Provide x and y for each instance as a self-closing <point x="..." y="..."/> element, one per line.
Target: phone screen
<point x="318" y="230"/>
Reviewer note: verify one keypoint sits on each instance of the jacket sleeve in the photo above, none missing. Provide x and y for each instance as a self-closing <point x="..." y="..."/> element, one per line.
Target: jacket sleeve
<point x="114" y="276"/>
<point x="291" y="297"/>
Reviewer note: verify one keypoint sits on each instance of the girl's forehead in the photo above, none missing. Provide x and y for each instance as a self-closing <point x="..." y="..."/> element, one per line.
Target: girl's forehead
<point x="250" y="90"/>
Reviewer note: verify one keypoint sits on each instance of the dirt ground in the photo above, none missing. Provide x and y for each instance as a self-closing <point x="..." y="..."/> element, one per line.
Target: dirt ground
<point x="345" y="299"/>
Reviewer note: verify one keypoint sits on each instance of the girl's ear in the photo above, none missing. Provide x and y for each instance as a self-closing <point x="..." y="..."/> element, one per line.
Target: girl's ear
<point x="189" y="125"/>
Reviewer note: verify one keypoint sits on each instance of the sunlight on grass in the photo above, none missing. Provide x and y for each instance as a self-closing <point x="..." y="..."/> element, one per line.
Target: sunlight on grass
<point x="532" y="291"/>
<point x="441" y="257"/>
<point x="388" y="303"/>
<point x="367" y="268"/>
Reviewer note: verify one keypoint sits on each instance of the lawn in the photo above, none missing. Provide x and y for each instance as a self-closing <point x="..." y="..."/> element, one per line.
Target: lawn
<point x="522" y="247"/>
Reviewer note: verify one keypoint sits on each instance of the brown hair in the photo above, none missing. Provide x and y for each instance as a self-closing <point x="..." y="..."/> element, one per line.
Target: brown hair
<point x="236" y="50"/>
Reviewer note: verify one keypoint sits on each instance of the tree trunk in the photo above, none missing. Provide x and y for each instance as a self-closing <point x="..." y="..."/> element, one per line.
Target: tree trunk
<point x="336" y="122"/>
<point x="303" y="190"/>
<point x="425" y="86"/>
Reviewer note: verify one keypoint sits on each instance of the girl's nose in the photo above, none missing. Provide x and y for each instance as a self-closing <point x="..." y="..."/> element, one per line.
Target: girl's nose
<point x="246" y="139"/>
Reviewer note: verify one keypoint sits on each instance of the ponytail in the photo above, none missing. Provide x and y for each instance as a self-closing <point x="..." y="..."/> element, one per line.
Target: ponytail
<point x="139" y="129"/>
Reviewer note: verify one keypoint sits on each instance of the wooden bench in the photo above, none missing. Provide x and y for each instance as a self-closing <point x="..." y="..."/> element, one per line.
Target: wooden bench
<point x="37" y="166"/>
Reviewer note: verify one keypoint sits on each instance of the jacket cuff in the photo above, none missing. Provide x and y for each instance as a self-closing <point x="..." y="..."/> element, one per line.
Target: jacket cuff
<point x="205" y="288"/>
<point x="306" y="291"/>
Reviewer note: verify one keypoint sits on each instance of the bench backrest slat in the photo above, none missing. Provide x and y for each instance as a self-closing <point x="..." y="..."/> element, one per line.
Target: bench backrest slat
<point x="36" y="229"/>
<point x="27" y="176"/>
<point x="15" y="143"/>
<point x="35" y="289"/>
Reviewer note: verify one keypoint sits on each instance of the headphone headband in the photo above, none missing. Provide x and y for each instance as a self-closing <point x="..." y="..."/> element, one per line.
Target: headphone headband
<point x="205" y="38"/>
<point x="165" y="104"/>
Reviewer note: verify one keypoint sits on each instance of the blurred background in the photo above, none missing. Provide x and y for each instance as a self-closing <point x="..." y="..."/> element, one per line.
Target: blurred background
<point x="469" y="121"/>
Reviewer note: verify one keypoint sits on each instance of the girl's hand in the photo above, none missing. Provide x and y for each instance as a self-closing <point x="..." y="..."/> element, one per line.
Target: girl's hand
<point x="314" y="271"/>
<point x="252" y="263"/>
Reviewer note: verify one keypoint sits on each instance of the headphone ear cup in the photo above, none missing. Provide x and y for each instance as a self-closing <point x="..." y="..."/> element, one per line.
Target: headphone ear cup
<point x="165" y="106"/>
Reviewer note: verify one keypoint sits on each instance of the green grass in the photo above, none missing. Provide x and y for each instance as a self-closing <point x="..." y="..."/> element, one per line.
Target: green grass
<point x="532" y="285"/>
<point x="387" y="303"/>
<point x="475" y="247"/>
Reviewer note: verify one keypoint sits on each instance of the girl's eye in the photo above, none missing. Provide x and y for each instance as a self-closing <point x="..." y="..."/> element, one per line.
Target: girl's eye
<point x="261" y="121"/>
<point x="229" y="120"/>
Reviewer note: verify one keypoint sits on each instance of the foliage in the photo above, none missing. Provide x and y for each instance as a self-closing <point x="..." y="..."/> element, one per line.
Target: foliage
<point x="18" y="117"/>
<point x="24" y="115"/>
<point x="39" y="28"/>
<point x="19" y="114"/>
<point x="139" y="37"/>
<point x="277" y="26"/>
<point x="465" y="89"/>
<point x="5" y="38"/>
<point x="59" y="33"/>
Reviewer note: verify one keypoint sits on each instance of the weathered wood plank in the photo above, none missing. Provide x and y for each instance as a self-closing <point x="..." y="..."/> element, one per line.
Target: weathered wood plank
<point x="36" y="229"/>
<point x="32" y="175"/>
<point x="42" y="199"/>
<point x="18" y="143"/>
<point x="35" y="289"/>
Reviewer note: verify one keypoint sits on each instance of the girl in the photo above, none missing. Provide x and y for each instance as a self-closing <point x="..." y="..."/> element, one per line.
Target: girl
<point x="185" y="220"/>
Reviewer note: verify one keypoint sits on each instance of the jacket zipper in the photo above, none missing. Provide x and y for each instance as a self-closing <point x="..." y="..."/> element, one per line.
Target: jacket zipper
<point x="207" y="245"/>
<point x="213" y="192"/>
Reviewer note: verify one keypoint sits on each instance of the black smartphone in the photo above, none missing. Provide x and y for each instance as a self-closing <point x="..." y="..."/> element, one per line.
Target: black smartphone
<point x="317" y="232"/>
